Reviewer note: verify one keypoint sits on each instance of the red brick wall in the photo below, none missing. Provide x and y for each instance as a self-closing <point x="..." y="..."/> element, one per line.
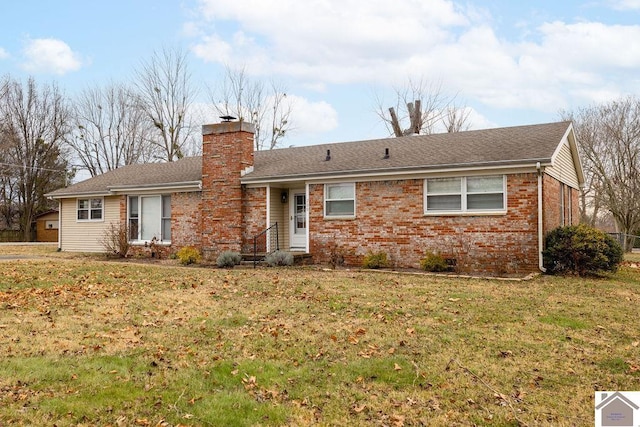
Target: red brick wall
<point x="254" y="216"/>
<point x="390" y="218"/>
<point x="186" y="220"/>
<point x="227" y="150"/>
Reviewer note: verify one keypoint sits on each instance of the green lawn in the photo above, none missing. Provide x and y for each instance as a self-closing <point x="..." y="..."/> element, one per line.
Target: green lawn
<point x="91" y="342"/>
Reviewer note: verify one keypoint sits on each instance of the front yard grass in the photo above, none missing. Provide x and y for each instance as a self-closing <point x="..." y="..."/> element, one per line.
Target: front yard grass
<point x="89" y="342"/>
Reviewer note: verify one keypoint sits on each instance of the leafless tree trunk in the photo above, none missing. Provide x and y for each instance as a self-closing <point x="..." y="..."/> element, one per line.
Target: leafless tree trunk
<point x="265" y="105"/>
<point x="110" y="129"/>
<point x="456" y="119"/>
<point x="425" y="107"/>
<point x="609" y="136"/>
<point x="588" y="134"/>
<point x="163" y="84"/>
<point x="35" y="121"/>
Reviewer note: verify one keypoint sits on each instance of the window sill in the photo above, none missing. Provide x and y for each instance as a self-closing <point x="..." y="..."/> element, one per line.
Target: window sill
<point x="468" y="213"/>
<point x="148" y="243"/>
<point x="339" y="217"/>
<point x="89" y="220"/>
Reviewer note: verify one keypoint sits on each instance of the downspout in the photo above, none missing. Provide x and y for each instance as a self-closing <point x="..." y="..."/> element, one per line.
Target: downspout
<point x="268" y="214"/>
<point x="59" y="225"/>
<point x="540" y="222"/>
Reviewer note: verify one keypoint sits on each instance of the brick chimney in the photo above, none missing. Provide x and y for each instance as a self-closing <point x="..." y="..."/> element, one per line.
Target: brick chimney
<point x="227" y="152"/>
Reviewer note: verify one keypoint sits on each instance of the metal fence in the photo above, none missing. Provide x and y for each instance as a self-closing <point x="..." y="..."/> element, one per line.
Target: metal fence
<point x="621" y="237"/>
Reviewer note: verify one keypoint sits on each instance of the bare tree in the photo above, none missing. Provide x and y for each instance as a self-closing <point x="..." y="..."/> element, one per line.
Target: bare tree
<point x="34" y="123"/>
<point x="111" y="129"/>
<point x="609" y="136"/>
<point x="456" y="119"/>
<point x="588" y="134"/>
<point x="425" y="107"/>
<point x="264" y="104"/>
<point x="165" y="91"/>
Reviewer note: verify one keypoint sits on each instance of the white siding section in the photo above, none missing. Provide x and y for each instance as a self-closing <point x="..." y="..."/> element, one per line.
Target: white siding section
<point x="85" y="236"/>
<point x="563" y="169"/>
<point x="280" y="215"/>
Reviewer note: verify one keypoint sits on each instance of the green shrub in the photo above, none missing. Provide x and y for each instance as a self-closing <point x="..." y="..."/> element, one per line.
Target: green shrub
<point x="434" y="262"/>
<point x="375" y="260"/>
<point x="188" y="255"/>
<point x="279" y="258"/>
<point x="581" y="250"/>
<point x="228" y="259"/>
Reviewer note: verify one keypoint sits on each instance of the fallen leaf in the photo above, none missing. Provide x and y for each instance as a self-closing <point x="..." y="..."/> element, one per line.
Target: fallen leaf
<point x="397" y="367"/>
<point x="391" y="350"/>
<point x="397" y="420"/>
<point x="357" y="409"/>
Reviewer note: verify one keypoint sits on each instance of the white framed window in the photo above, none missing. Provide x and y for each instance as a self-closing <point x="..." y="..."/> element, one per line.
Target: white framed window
<point x="473" y="194"/>
<point x="340" y="200"/>
<point x="90" y="209"/>
<point x="149" y="217"/>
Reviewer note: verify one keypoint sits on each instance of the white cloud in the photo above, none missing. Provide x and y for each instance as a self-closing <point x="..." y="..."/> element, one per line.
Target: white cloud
<point x="3" y="53"/>
<point x="324" y="42"/>
<point x="625" y="4"/>
<point x="311" y="118"/>
<point x="50" y="56"/>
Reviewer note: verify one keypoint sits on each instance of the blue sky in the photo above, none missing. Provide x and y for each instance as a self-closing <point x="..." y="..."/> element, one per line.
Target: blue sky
<point x="510" y="62"/>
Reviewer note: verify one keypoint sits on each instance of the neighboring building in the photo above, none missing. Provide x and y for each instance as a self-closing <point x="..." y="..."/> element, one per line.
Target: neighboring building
<point x="484" y="198"/>
<point x="47" y="226"/>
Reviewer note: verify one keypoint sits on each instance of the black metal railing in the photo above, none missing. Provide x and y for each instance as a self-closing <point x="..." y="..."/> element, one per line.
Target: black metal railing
<point x="265" y="243"/>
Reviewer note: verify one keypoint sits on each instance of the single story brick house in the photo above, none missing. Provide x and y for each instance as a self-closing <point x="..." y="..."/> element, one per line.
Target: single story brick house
<point x="484" y="198"/>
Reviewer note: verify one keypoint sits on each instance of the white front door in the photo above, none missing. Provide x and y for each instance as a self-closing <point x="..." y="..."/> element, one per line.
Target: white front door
<point x="298" y="219"/>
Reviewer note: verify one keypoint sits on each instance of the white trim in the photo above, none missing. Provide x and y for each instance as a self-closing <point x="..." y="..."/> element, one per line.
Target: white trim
<point x="89" y="209"/>
<point x="307" y="242"/>
<point x="178" y="187"/>
<point x="540" y="221"/>
<point x="268" y="216"/>
<point x="344" y="176"/>
<point x="324" y="201"/>
<point x="292" y="219"/>
<point x="171" y="187"/>
<point x="60" y="225"/>
<point x="463" y="200"/>
<point x="138" y="241"/>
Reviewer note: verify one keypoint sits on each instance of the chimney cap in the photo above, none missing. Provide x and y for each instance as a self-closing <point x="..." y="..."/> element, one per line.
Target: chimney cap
<point x="227" y="118"/>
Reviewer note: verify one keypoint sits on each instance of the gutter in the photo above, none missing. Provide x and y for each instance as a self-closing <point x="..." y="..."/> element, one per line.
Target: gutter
<point x="540" y="222"/>
<point x="392" y="173"/>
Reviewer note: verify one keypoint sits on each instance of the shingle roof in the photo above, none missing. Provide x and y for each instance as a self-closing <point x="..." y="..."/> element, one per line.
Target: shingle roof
<point x="490" y="147"/>
<point x="188" y="169"/>
<point x="478" y="148"/>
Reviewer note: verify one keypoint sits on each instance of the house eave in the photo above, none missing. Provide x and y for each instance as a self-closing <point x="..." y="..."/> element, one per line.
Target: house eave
<point x="172" y="186"/>
<point x="402" y="172"/>
<point x="77" y="194"/>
